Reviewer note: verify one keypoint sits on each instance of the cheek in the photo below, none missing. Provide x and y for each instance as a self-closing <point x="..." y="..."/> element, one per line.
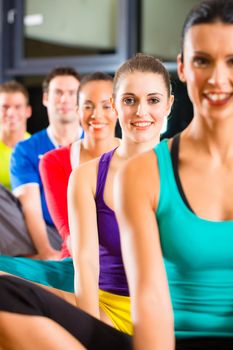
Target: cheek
<point x="111" y="117"/>
<point x="83" y="118"/>
<point x="195" y="78"/>
<point x="160" y="111"/>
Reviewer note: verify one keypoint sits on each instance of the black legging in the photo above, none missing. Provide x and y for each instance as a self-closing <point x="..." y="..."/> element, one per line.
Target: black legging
<point x="23" y="297"/>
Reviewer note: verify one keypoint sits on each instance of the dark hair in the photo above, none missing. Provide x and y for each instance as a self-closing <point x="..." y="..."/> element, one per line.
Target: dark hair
<point x="208" y="11"/>
<point x="13" y="86"/>
<point x="59" y="71"/>
<point x="97" y="76"/>
<point x="142" y="63"/>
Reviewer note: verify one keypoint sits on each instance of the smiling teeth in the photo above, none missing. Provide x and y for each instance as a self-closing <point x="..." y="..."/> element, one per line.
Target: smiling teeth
<point x="217" y="97"/>
<point x="97" y="126"/>
<point x="142" y="124"/>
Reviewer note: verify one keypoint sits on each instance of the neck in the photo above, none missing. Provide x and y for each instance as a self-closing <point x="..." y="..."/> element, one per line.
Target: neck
<point x="64" y="134"/>
<point x="128" y="149"/>
<point x="215" y="137"/>
<point x="97" y="147"/>
<point x="10" y="138"/>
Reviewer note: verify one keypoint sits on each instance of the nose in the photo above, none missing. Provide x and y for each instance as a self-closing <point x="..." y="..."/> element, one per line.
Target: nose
<point x="65" y="97"/>
<point x="219" y="75"/>
<point x="141" y="110"/>
<point x="97" y="111"/>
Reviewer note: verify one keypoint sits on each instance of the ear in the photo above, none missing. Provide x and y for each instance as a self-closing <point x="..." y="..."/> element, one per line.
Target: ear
<point x="170" y="103"/>
<point x="45" y="99"/>
<point x="28" y="111"/>
<point x="180" y="68"/>
<point x="113" y="105"/>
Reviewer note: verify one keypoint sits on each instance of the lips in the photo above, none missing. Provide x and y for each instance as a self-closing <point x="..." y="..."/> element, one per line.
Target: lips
<point x="142" y="124"/>
<point x="218" y="98"/>
<point x="97" y="126"/>
<point x="65" y="110"/>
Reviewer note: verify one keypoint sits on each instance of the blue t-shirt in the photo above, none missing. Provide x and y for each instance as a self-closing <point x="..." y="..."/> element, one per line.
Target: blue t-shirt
<point x="24" y="165"/>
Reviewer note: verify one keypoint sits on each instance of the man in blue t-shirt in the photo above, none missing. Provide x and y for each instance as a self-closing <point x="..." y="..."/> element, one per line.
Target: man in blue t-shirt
<point x="60" y="98"/>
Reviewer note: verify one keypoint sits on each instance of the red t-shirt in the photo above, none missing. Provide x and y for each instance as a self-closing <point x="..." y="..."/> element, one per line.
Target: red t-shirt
<point x="55" y="169"/>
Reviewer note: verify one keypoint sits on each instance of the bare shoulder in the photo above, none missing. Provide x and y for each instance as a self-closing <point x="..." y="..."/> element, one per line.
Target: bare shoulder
<point x="140" y="176"/>
<point x="85" y="174"/>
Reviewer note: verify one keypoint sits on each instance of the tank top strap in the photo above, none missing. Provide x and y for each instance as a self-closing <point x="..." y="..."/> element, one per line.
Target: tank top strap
<point x="168" y="187"/>
<point x="103" y="167"/>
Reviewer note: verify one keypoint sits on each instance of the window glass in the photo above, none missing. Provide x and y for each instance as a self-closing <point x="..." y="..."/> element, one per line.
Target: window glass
<point x="162" y="22"/>
<point x="69" y="28"/>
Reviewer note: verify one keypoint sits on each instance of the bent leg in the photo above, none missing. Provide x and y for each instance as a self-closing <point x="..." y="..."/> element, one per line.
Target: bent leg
<point x="34" y="332"/>
<point x="24" y="298"/>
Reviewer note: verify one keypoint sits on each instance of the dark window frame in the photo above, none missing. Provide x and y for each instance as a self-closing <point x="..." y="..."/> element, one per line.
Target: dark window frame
<point x="13" y="63"/>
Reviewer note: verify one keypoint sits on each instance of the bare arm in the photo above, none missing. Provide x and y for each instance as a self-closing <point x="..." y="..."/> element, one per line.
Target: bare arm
<point x="136" y="197"/>
<point x="29" y="196"/>
<point x="84" y="236"/>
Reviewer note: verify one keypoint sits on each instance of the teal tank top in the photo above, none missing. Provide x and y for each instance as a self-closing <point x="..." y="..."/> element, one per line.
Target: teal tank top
<point x="198" y="257"/>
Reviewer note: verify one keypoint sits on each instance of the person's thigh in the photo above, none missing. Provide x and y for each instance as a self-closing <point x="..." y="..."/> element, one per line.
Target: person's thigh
<point x="23" y="297"/>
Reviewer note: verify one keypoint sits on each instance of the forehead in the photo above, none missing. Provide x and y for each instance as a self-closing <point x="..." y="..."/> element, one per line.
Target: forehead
<point x="141" y="82"/>
<point x="12" y="98"/>
<point x="64" y="82"/>
<point x="96" y="87"/>
<point x="212" y="38"/>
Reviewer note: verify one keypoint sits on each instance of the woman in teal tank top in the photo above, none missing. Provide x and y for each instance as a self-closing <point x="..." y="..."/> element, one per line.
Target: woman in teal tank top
<point x="175" y="210"/>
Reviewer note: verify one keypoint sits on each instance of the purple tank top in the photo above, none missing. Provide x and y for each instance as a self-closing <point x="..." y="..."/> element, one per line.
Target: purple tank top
<point x="112" y="274"/>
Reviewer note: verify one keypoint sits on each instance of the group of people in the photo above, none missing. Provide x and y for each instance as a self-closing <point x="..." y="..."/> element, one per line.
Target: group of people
<point x="146" y="226"/>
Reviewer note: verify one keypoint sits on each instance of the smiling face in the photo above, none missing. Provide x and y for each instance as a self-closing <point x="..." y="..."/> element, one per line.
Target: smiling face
<point x="142" y="102"/>
<point x="96" y="115"/>
<point x="207" y="69"/>
<point x="14" y="111"/>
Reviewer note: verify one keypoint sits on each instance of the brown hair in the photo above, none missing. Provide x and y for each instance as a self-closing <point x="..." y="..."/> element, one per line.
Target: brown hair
<point x="59" y="71"/>
<point x="13" y="86"/>
<point x="97" y="76"/>
<point x="142" y="63"/>
<point x="206" y="12"/>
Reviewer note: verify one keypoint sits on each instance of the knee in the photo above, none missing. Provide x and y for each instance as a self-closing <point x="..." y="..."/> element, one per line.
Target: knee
<point x="5" y="329"/>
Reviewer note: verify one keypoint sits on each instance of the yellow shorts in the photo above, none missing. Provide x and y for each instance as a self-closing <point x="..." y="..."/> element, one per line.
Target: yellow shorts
<point x="117" y="308"/>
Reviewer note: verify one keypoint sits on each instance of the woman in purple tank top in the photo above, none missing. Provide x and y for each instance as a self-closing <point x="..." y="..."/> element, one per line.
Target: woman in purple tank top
<point x="142" y="100"/>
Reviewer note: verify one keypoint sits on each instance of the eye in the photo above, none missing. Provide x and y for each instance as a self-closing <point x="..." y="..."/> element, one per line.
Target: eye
<point x="87" y="107"/>
<point x="153" y="100"/>
<point x="58" y="93"/>
<point x="230" y="61"/>
<point x="107" y="106"/>
<point x="72" y="93"/>
<point x="200" y="61"/>
<point x="19" y="107"/>
<point x="129" y="101"/>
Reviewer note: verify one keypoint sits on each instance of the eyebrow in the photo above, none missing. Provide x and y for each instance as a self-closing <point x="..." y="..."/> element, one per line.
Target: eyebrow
<point x="155" y="93"/>
<point x="209" y="55"/>
<point x="103" y="101"/>
<point x="62" y="90"/>
<point x="150" y="94"/>
<point x="196" y="52"/>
